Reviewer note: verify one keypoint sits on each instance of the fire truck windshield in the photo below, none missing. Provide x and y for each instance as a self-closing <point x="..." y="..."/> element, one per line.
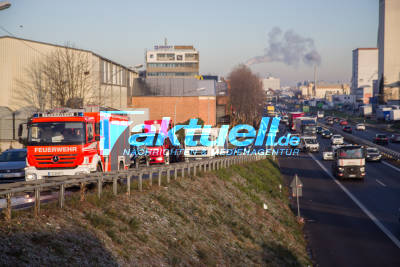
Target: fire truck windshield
<point x="56" y="133"/>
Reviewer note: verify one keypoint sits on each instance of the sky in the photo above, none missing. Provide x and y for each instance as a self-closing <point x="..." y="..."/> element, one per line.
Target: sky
<point x="226" y="32"/>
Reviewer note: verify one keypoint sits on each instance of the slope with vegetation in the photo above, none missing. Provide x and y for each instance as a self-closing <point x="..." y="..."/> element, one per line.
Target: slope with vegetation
<point x="216" y="218"/>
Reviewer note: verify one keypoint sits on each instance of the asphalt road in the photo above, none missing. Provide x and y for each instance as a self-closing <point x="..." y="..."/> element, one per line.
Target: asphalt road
<point x="348" y="223"/>
<point x="369" y="135"/>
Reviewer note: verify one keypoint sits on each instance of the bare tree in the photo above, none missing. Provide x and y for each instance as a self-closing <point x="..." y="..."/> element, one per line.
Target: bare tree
<point x="33" y="90"/>
<point x="59" y="79"/>
<point x="247" y="95"/>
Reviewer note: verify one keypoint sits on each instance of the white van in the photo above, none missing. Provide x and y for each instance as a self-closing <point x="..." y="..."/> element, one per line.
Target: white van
<point x="199" y="151"/>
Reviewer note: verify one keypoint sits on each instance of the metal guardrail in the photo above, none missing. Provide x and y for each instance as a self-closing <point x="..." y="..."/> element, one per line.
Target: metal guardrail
<point x="62" y="182"/>
<point x="389" y="153"/>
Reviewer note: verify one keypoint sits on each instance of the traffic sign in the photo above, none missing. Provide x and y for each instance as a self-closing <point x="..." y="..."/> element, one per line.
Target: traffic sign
<point x="297" y="191"/>
<point x="297" y="186"/>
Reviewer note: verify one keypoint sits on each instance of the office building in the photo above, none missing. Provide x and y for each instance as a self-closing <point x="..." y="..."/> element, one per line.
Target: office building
<point x="389" y="50"/>
<point x="271" y="83"/>
<point x="365" y="68"/>
<point x="180" y="61"/>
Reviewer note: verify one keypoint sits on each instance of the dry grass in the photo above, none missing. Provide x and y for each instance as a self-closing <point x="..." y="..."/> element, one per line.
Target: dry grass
<point x="215" y="219"/>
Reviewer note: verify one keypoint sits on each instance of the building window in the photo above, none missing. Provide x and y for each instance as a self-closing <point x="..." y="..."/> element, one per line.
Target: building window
<point x="171" y="57"/>
<point x="179" y="57"/>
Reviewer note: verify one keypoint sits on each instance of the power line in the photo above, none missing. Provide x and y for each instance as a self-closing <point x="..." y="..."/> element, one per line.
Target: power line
<point x="13" y="35"/>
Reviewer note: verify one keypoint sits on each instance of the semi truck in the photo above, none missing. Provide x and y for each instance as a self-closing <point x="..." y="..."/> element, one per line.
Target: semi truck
<point x="349" y="162"/>
<point x="292" y="118"/>
<point x="306" y="126"/>
<point x="74" y="141"/>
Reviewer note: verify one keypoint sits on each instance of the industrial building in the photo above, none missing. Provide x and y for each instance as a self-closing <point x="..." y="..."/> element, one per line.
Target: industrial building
<point x="271" y="83"/>
<point x="323" y="90"/>
<point x="178" y="98"/>
<point x="389" y="50"/>
<point x="109" y="81"/>
<point x="172" y="61"/>
<point x="364" y="73"/>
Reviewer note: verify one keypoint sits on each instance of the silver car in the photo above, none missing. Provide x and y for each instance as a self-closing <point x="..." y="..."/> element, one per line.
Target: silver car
<point x="12" y="164"/>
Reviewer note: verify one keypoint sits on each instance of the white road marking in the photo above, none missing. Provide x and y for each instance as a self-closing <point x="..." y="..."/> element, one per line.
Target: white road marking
<point x="359" y="204"/>
<point x="379" y="182"/>
<point x="391" y="166"/>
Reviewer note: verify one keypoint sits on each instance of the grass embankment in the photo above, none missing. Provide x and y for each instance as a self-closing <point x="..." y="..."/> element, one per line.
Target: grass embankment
<point x="216" y="218"/>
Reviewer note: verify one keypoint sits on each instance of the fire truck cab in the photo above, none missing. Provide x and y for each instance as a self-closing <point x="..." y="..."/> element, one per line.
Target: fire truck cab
<point x="67" y="142"/>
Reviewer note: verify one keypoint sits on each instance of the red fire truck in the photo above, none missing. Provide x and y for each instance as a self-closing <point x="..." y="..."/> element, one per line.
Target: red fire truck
<point x="71" y="142"/>
<point x="159" y="154"/>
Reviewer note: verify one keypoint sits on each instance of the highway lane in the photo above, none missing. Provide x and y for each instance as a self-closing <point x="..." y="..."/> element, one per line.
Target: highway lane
<point x="339" y="232"/>
<point x="369" y="134"/>
<point x="379" y="192"/>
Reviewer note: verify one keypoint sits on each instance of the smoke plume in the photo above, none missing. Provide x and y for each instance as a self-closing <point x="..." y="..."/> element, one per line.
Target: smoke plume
<point x="289" y="48"/>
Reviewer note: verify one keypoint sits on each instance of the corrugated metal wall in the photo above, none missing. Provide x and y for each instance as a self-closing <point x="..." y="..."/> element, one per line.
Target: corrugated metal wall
<point x="174" y="87"/>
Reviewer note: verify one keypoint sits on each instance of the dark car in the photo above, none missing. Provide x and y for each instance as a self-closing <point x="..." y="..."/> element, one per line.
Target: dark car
<point x="327" y="134"/>
<point x="381" y="139"/>
<point x="347" y="129"/>
<point x="12" y="164"/>
<point x="319" y="129"/>
<point x="395" y="138"/>
<point x="373" y="154"/>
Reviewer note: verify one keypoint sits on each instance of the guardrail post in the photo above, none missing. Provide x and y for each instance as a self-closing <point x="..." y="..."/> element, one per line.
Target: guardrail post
<point x="62" y="195"/>
<point x="151" y="178"/>
<point x="8" y="210"/>
<point x="176" y="173"/>
<point x="128" y="184"/>
<point x="99" y="186"/>
<point x="159" y="177"/>
<point x="37" y="201"/>
<point x="194" y="169"/>
<point x="115" y="186"/>
<point x="82" y="190"/>
<point x="204" y="166"/>
<point x="168" y="175"/>
<point x="140" y="181"/>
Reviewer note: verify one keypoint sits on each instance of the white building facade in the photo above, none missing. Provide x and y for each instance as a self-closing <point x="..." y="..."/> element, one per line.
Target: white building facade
<point x="167" y="61"/>
<point x="389" y="49"/>
<point x="365" y="68"/>
<point x="271" y="83"/>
